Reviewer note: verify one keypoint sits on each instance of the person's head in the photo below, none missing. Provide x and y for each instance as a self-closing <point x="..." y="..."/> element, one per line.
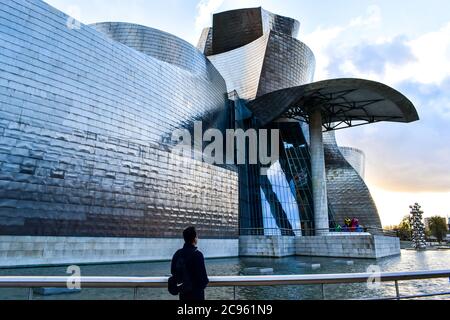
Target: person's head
<point x="190" y="235"/>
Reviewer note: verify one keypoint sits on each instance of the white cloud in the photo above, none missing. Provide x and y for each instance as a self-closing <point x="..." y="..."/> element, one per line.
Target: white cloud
<point x="319" y="41"/>
<point x="402" y="173"/>
<point x="205" y="8"/>
<point x="432" y="64"/>
<point x="335" y="49"/>
<point x="372" y="17"/>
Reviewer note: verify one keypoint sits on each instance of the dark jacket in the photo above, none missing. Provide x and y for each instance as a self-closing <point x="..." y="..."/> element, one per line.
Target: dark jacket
<point x="196" y="268"/>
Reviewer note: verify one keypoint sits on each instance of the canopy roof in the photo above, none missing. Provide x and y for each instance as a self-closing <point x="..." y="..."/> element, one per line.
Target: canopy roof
<point x="343" y="102"/>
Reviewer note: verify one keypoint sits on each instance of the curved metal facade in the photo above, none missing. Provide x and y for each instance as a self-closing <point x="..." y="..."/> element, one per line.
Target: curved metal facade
<point x="84" y="122"/>
<point x="158" y="44"/>
<point x="347" y="193"/>
<point x="87" y="115"/>
<point x="280" y="24"/>
<point x="356" y="158"/>
<point x="288" y="62"/>
<point x="242" y="67"/>
<point x="256" y="52"/>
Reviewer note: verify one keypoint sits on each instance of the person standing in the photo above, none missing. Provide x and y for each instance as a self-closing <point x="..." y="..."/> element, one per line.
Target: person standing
<point x="188" y="267"/>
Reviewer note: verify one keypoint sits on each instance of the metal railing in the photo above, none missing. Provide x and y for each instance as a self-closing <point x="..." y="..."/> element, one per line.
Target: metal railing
<point x="311" y="231"/>
<point x="230" y="281"/>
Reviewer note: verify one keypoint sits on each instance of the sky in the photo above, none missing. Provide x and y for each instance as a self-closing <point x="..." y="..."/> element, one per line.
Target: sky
<point x="402" y="43"/>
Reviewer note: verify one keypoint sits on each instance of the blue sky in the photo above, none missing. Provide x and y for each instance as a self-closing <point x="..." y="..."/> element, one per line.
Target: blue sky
<point x="405" y="44"/>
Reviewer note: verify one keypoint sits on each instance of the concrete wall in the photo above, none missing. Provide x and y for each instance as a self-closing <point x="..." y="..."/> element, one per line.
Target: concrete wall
<point x="348" y="246"/>
<point x="34" y="251"/>
<point x="267" y="246"/>
<point x="28" y="251"/>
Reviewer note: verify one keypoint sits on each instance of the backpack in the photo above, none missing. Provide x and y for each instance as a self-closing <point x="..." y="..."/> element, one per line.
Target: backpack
<point x="181" y="281"/>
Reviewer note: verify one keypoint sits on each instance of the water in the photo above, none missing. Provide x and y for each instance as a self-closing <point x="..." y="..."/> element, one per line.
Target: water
<point x="408" y="261"/>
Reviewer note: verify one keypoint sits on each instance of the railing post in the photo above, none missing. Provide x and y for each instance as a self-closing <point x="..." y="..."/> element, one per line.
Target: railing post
<point x="30" y="294"/>
<point x="323" y="290"/>
<point x="135" y="293"/>
<point x="397" y="290"/>
<point x="234" y="293"/>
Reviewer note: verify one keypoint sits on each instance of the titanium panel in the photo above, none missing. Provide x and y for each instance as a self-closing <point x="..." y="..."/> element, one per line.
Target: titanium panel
<point x="241" y="68"/>
<point x="288" y="62"/>
<point x="356" y="158"/>
<point x="158" y="44"/>
<point x="236" y="28"/>
<point x="347" y="193"/>
<point x="205" y="42"/>
<point x="84" y="127"/>
<point x="280" y="24"/>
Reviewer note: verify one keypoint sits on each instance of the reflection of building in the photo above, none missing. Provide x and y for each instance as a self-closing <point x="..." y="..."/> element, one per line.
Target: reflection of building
<point x="85" y="146"/>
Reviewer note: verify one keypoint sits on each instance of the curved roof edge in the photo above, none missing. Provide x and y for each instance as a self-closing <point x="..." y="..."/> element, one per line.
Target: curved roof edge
<point x="350" y="99"/>
<point x="156" y="43"/>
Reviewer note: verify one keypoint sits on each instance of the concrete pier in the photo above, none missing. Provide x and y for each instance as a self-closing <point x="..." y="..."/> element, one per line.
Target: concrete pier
<point x="338" y="245"/>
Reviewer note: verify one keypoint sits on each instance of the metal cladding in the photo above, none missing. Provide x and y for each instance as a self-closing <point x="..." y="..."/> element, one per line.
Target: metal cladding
<point x="256" y="52"/>
<point x="84" y="128"/>
<point x="343" y="103"/>
<point x="87" y="115"/>
<point x="158" y="44"/>
<point x="237" y="28"/>
<point x="260" y="59"/>
<point x="348" y="195"/>
<point x="356" y="158"/>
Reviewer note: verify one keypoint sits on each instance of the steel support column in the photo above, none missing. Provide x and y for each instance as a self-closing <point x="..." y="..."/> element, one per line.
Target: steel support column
<point x="319" y="183"/>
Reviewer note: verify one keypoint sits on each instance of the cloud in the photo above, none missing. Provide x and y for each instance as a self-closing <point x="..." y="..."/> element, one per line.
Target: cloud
<point x="409" y="157"/>
<point x="372" y="17"/>
<point x="401" y="157"/>
<point x="369" y="59"/>
<point x="205" y="8"/>
<point x="324" y="40"/>
<point x="425" y="59"/>
<point x="432" y="63"/>
<point x="319" y="41"/>
<point x="341" y="51"/>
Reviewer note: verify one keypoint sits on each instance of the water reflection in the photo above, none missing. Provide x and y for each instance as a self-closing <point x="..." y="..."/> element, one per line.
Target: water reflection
<point x="408" y="261"/>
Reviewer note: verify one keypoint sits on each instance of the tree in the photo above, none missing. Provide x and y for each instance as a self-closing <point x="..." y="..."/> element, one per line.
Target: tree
<point x="438" y="227"/>
<point x="404" y="229"/>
